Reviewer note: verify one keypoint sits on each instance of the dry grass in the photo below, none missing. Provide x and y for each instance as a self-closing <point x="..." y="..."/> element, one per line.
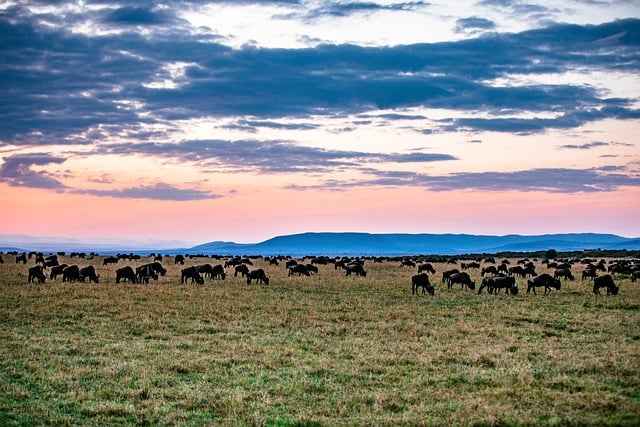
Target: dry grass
<point x="323" y="350"/>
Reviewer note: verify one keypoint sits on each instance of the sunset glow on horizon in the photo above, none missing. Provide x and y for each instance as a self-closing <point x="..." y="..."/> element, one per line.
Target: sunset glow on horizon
<point x="240" y="121"/>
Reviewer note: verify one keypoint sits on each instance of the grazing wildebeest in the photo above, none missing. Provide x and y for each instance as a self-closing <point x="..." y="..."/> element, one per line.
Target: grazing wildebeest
<point x="311" y="268"/>
<point x="299" y="269"/>
<point x="179" y="259"/>
<point x="257" y="275"/>
<point x="242" y="269"/>
<point x="543" y="280"/>
<point x="563" y="272"/>
<point x="36" y="272"/>
<point x="290" y="263"/>
<point x="156" y="267"/>
<point x="589" y="272"/>
<point x="421" y="280"/>
<point x="517" y="270"/>
<point x="126" y="273"/>
<point x="463" y="278"/>
<point x="90" y="272"/>
<point x="495" y="283"/>
<point x="503" y="268"/>
<point x="110" y="260"/>
<point x="146" y="272"/>
<point x="605" y="281"/>
<point x="71" y="274"/>
<point x="21" y="258"/>
<point x="635" y="275"/>
<point x="407" y="262"/>
<point x="469" y="265"/>
<point x="191" y="273"/>
<point x="355" y="268"/>
<point x="58" y="269"/>
<point x="489" y="270"/>
<point x="50" y="262"/>
<point x="446" y="274"/>
<point x="218" y="272"/>
<point x="205" y="269"/>
<point x="426" y="267"/>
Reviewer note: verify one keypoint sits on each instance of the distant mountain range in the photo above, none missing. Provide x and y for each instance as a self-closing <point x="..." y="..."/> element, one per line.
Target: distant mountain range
<point x="413" y="244"/>
<point x="365" y="244"/>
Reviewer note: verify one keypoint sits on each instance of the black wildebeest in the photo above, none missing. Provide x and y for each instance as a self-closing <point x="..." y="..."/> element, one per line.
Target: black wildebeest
<point x="489" y="270"/>
<point x="218" y="272"/>
<point x="355" y="268"/>
<point x="146" y="272"/>
<point x="110" y="260"/>
<point x="155" y="266"/>
<point x="635" y="275"/>
<point x="71" y="274"/>
<point x="179" y="259"/>
<point x="126" y="273"/>
<point x="563" y="272"/>
<point x="257" y="275"/>
<point x="421" y="280"/>
<point x="242" y="269"/>
<point x="22" y="258"/>
<point x="191" y="273"/>
<point x="495" y="283"/>
<point x="407" y="262"/>
<point x="426" y="267"/>
<point x="589" y="273"/>
<point x="36" y="273"/>
<point x="543" y="280"/>
<point x="299" y="269"/>
<point x="58" y="269"/>
<point x="605" y="281"/>
<point x="463" y="278"/>
<point x="448" y="273"/>
<point x="89" y="272"/>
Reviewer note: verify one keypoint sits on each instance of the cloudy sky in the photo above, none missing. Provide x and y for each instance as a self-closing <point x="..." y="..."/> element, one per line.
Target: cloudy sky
<point x="240" y="120"/>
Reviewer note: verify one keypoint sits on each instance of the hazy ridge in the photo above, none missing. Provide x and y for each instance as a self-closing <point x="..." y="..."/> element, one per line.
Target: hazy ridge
<point x="326" y="243"/>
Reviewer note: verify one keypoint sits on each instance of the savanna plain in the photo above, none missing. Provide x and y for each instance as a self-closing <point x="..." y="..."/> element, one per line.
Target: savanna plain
<point x="328" y="349"/>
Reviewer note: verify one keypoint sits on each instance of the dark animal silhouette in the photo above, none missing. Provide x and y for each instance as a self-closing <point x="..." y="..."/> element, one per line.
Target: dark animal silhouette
<point x="426" y="267"/>
<point x="448" y="273"/>
<point x="463" y="278"/>
<point x="179" y="259"/>
<point x="489" y="270"/>
<point x="110" y="260"/>
<point x="605" y="281"/>
<point x="89" y="272"/>
<point x="299" y="269"/>
<point x="22" y="258"/>
<point x="146" y="272"/>
<point x="495" y="283"/>
<point x="71" y="274"/>
<point x="258" y="275"/>
<point x="126" y="273"/>
<point x="543" y="280"/>
<point x="191" y="273"/>
<point x="421" y="281"/>
<point x="55" y="271"/>
<point x="563" y="272"/>
<point x="242" y="269"/>
<point x="355" y="268"/>
<point x="36" y="273"/>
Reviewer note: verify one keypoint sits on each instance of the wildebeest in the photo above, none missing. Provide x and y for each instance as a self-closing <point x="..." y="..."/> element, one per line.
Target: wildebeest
<point x="155" y="266"/>
<point x="146" y="272"/>
<point x="191" y="273"/>
<point x="71" y="274"/>
<point x="58" y="269"/>
<point x="489" y="270"/>
<point x="299" y="269"/>
<point x="426" y="267"/>
<point x="290" y="263"/>
<point x="126" y="273"/>
<point x="635" y="275"/>
<point x="563" y="272"/>
<point x="605" y="281"/>
<point x="469" y="265"/>
<point x="355" y="268"/>
<point x="110" y="260"/>
<point x="589" y="272"/>
<point x="517" y="270"/>
<point x="89" y="272"/>
<point x="257" y="275"/>
<point x="421" y="280"/>
<point x="179" y="259"/>
<point x="36" y="272"/>
<point x="22" y="258"/>
<point x="218" y="271"/>
<point x="495" y="283"/>
<point x="448" y="273"/>
<point x="1" y="259"/>
<point x="463" y="278"/>
<point x="242" y="269"/>
<point x="543" y="280"/>
<point x="407" y="262"/>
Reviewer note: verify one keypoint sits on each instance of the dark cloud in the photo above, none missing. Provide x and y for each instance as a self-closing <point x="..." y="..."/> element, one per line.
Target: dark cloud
<point x="474" y="24"/>
<point x="158" y="191"/>
<point x="551" y="180"/>
<point x="56" y="85"/>
<point x="595" y="144"/>
<point x="16" y="171"/>
<point x="266" y="156"/>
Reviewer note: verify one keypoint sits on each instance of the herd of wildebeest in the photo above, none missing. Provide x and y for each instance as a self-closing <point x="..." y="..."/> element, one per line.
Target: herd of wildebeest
<point x="495" y="275"/>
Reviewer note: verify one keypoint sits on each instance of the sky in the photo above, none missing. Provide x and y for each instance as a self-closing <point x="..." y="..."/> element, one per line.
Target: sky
<point x="184" y="122"/>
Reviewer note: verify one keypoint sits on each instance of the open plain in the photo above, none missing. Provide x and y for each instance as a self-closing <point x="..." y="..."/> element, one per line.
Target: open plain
<point x="328" y="349"/>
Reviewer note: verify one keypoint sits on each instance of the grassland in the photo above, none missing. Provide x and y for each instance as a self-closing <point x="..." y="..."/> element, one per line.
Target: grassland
<point x="321" y="350"/>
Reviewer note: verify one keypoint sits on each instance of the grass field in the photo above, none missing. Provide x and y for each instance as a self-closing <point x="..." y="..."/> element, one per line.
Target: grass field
<point x="320" y="350"/>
